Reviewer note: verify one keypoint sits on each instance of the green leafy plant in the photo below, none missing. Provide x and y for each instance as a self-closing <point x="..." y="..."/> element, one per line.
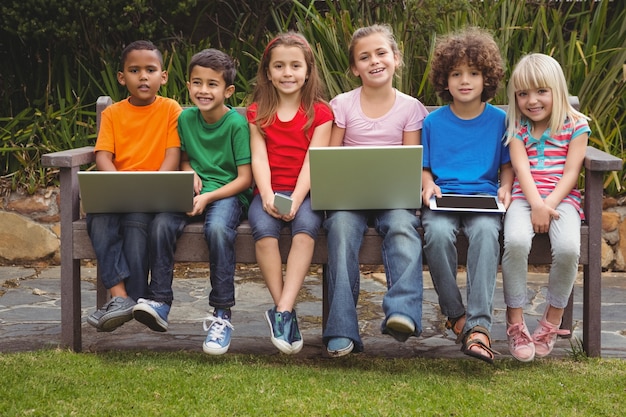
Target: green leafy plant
<point x="587" y="37"/>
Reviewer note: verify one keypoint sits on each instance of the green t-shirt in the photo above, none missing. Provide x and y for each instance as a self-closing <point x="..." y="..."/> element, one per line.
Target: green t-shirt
<point x="216" y="150"/>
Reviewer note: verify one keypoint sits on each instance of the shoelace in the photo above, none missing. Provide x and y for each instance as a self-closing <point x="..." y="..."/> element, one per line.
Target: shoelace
<point x="151" y="303"/>
<point x="217" y="327"/>
<point x="113" y="303"/>
<point x="516" y="331"/>
<point x="546" y="333"/>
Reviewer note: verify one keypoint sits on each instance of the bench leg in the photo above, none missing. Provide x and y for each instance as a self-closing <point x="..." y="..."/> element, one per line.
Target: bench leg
<point x="592" y="304"/>
<point x="70" y="267"/>
<point x="102" y="294"/>
<point x="592" y="272"/>
<point x="71" y="305"/>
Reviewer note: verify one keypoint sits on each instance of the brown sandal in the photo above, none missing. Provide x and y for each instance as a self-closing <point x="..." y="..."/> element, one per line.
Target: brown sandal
<point x="456" y="325"/>
<point x="473" y="340"/>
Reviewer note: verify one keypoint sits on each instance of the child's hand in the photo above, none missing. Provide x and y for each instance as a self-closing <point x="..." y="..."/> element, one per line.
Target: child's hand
<point x="200" y="202"/>
<point x="267" y="201"/>
<point x="428" y="190"/>
<point x="504" y="196"/>
<point x="197" y="184"/>
<point x="295" y="206"/>
<point x="541" y="216"/>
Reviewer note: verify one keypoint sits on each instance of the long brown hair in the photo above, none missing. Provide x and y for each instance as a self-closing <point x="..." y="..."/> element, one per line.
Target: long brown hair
<point x="265" y="94"/>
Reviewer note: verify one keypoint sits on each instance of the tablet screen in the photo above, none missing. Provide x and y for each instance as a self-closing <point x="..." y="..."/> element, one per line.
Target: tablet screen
<point x="468" y="202"/>
<point x="458" y="202"/>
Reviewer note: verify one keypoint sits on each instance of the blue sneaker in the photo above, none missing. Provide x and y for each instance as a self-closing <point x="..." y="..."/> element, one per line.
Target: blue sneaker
<point x="220" y="329"/>
<point x="152" y="313"/>
<point x="295" y="338"/>
<point x="280" y="328"/>
<point x="339" y="346"/>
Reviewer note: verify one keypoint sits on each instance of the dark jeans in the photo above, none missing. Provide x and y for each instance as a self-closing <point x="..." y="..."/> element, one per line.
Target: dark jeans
<point x="128" y="246"/>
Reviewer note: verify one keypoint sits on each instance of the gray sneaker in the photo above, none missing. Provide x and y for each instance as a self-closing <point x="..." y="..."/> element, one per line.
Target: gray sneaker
<point x="113" y="314"/>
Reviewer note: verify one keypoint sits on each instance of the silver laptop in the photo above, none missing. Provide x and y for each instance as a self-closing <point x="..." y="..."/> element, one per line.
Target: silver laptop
<point x="366" y="177"/>
<point x="136" y="191"/>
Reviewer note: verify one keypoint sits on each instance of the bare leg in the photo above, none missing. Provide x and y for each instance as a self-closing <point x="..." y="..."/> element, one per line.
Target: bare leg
<point x="268" y="259"/>
<point x="298" y="264"/>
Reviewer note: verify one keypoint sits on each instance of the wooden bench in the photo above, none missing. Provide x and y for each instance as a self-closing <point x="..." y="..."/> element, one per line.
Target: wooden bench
<point x="76" y="245"/>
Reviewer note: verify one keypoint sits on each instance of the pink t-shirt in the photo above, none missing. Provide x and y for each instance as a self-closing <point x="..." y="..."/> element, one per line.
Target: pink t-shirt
<point x="287" y="144"/>
<point x="406" y="115"/>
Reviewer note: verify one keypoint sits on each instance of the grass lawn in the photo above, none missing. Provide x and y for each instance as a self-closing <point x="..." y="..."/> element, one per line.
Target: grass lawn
<point x="61" y="383"/>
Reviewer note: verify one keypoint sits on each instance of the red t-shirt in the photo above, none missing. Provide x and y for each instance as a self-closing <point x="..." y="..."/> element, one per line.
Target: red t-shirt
<point x="287" y="144"/>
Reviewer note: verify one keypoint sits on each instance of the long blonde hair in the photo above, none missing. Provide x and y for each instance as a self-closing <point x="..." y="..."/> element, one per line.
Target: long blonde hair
<point x="540" y="71"/>
<point x="265" y="94"/>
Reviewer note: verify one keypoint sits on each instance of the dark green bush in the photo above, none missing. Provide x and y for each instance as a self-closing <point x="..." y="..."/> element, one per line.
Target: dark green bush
<point x="58" y="56"/>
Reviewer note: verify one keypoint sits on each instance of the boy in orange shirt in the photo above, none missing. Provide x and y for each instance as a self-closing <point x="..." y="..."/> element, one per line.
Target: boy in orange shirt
<point x="137" y="134"/>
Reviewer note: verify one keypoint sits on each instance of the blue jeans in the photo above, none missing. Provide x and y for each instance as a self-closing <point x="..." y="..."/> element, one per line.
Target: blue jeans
<point x="402" y="259"/>
<point x="128" y="246"/>
<point x="263" y="225"/>
<point x="483" y="233"/>
<point x="221" y="219"/>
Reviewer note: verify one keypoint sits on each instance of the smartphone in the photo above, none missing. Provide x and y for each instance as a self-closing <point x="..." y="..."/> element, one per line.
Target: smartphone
<point x="282" y="203"/>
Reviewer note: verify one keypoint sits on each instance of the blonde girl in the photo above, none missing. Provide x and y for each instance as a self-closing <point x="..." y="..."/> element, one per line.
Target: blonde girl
<point x="287" y="116"/>
<point x="547" y="138"/>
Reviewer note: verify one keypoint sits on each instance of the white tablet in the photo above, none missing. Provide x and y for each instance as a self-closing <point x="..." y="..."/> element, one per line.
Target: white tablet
<point x="459" y="202"/>
<point x="282" y="203"/>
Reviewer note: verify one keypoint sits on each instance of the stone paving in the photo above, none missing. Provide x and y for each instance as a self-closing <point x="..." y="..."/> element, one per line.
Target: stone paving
<point x="30" y="315"/>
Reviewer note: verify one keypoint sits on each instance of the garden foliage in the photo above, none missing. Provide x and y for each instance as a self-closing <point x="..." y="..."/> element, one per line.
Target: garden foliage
<point x="58" y="56"/>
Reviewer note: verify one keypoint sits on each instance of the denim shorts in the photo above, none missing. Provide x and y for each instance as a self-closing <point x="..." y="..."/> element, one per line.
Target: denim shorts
<point x="263" y="225"/>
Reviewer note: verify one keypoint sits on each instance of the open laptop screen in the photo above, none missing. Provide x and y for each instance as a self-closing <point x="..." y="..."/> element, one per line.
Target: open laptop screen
<point x="366" y="177"/>
<point x="136" y="191"/>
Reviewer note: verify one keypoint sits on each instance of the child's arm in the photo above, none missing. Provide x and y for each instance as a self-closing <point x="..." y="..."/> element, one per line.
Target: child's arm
<point x="261" y="170"/>
<point x="412" y="138"/>
<point x="171" y="162"/>
<point x="104" y="161"/>
<point x="336" y="135"/>
<point x="185" y="165"/>
<point x="321" y="137"/>
<point x="506" y="184"/>
<point x="573" y="164"/>
<point x="429" y="188"/>
<point x="540" y="212"/>
<point x="236" y="186"/>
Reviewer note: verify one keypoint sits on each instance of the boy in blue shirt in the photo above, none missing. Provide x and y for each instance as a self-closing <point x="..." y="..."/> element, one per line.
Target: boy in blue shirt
<point x="215" y="144"/>
<point x="464" y="153"/>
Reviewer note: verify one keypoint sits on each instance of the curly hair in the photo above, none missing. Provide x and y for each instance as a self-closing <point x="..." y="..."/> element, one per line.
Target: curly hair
<point x="474" y="47"/>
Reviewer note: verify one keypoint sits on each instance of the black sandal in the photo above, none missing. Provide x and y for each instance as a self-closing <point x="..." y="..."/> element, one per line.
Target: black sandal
<point x="486" y="353"/>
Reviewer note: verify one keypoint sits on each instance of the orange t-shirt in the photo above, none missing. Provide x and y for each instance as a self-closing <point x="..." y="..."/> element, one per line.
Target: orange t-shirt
<point x="138" y="136"/>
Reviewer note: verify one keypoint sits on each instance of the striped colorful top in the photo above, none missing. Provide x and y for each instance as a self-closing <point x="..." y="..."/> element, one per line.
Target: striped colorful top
<point x="547" y="156"/>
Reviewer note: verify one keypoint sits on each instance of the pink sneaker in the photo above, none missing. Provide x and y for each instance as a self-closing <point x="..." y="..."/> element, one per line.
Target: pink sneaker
<point x="545" y="335"/>
<point x="521" y="343"/>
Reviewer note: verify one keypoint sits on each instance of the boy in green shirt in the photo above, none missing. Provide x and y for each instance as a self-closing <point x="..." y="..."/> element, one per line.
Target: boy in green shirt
<point x="215" y="144"/>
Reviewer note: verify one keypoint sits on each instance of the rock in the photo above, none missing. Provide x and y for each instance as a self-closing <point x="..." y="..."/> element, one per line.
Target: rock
<point x="620" y="254"/>
<point x="607" y="255"/>
<point x="22" y="239"/>
<point x="610" y="221"/>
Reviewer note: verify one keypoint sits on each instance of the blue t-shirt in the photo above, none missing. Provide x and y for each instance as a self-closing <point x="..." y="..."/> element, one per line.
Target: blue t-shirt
<point x="465" y="156"/>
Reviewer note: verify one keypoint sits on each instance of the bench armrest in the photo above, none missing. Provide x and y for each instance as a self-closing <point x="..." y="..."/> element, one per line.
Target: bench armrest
<point x="598" y="160"/>
<point x="69" y="158"/>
